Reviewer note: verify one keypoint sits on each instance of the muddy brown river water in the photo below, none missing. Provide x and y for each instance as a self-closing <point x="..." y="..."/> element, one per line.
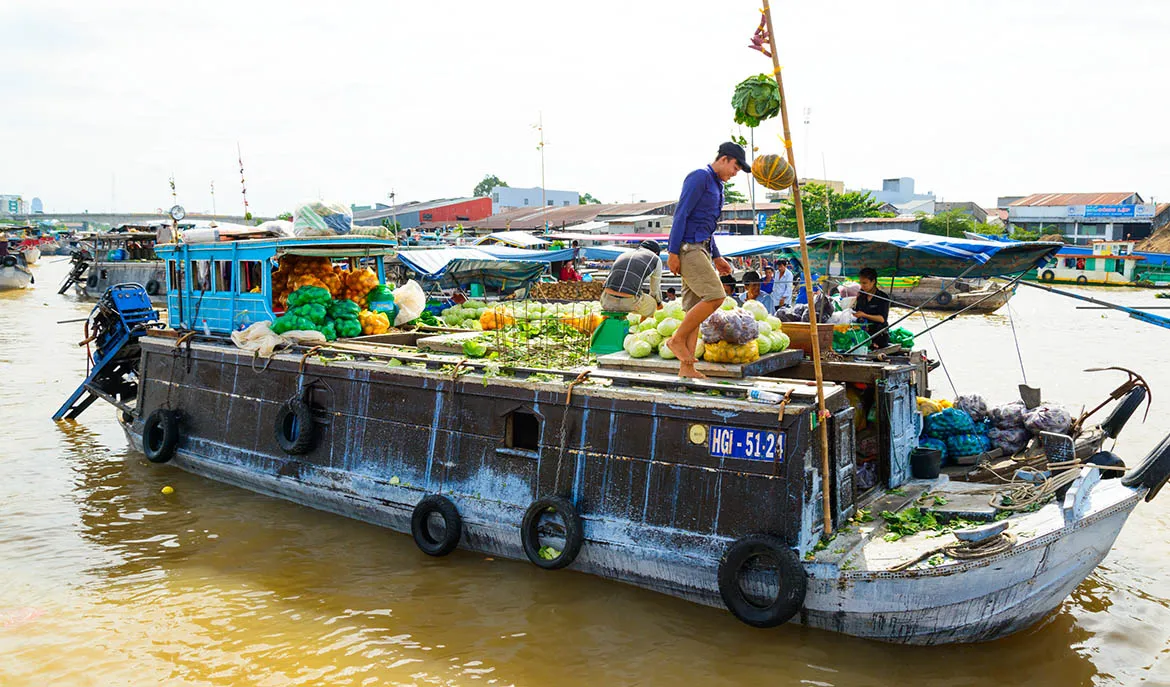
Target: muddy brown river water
<point x="106" y="581"/>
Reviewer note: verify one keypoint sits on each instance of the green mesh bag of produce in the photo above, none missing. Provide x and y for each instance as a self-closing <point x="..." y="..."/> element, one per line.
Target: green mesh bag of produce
<point x="948" y="422"/>
<point x="936" y="444"/>
<point x="309" y="294"/>
<point x="901" y="336"/>
<point x="967" y="444"/>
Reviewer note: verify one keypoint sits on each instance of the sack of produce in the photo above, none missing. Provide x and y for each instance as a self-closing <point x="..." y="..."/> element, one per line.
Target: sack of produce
<point x="969" y="444"/>
<point x="1008" y="415"/>
<point x="1048" y="417"/>
<point x="259" y="339"/>
<point x="377" y="232"/>
<point x="374" y="322"/>
<point x="973" y="405"/>
<point x="319" y="218"/>
<point x="732" y="326"/>
<point x="357" y="284"/>
<point x="928" y="406"/>
<point x="342" y="309"/>
<point x="948" y="422"/>
<point x="314" y="312"/>
<point x="727" y="352"/>
<point x="309" y="294"/>
<point x="1012" y="440"/>
<point x="902" y="336"/>
<point x="411" y="302"/>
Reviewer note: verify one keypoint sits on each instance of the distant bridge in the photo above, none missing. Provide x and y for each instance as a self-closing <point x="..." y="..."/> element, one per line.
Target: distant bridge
<point x="115" y="218"/>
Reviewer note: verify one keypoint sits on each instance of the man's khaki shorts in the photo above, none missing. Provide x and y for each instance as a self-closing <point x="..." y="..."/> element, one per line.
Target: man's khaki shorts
<point x="644" y="305"/>
<point x="700" y="282"/>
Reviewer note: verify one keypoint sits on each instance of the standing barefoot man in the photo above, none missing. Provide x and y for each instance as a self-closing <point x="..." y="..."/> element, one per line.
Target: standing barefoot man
<point x="692" y="252"/>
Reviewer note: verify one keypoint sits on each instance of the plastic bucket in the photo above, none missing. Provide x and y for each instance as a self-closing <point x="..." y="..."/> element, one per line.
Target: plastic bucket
<point x="925" y="463"/>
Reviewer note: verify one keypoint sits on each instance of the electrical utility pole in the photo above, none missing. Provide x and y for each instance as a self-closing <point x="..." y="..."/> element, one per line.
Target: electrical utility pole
<point x="543" y="192"/>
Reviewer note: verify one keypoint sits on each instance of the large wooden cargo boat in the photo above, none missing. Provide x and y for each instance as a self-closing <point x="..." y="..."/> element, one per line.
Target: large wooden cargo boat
<point x="679" y="486"/>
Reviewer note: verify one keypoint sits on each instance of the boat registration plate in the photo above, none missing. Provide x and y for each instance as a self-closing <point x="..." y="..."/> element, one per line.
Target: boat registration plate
<point x="749" y="444"/>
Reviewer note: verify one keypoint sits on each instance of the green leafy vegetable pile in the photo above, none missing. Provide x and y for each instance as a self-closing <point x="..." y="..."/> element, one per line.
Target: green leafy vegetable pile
<point x="756" y="98"/>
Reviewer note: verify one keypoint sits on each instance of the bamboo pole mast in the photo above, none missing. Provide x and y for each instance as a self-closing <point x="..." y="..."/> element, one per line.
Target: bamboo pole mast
<point x="822" y="412"/>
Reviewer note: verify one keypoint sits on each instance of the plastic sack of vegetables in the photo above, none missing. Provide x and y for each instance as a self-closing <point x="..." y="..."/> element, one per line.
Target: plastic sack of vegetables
<point x="319" y="218"/>
<point x="309" y="294"/>
<point x="373" y="322"/>
<point x="727" y="352"/>
<point x="969" y="444"/>
<point x="1011" y="440"/>
<point x="756" y="98"/>
<point x="948" y="422"/>
<point x="973" y="405"/>
<point x="381" y="299"/>
<point x="341" y="309"/>
<point x="1048" y="418"/>
<point x="411" y="302"/>
<point x="733" y="326"/>
<point x="902" y="336"/>
<point x="1008" y="415"/>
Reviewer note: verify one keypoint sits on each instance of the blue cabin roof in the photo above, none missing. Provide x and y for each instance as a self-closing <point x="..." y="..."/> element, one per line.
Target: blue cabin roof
<point x="255" y="249"/>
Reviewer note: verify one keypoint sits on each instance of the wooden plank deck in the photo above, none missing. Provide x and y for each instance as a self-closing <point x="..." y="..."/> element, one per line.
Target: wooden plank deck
<point x="771" y="362"/>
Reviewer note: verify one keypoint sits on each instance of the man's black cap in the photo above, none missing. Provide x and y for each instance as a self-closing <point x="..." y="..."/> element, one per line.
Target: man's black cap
<point x="751" y="277"/>
<point x="728" y="279"/>
<point x="734" y="151"/>
<point x="651" y="245"/>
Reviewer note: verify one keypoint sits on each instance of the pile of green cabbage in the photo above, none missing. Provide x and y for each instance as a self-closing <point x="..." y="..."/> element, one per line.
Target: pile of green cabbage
<point x="466" y="316"/>
<point x="648" y="335"/>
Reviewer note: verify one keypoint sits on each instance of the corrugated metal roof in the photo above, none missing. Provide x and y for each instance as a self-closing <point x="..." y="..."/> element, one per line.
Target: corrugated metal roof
<point x="405" y="208"/>
<point x="533" y="218"/>
<point x="740" y="207"/>
<point x="878" y="220"/>
<point x="1047" y="199"/>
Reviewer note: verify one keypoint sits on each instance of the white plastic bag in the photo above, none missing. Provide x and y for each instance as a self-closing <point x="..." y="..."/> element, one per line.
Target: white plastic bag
<point x="319" y="218"/>
<point x="260" y="339"/>
<point x="842" y="317"/>
<point x="411" y="301"/>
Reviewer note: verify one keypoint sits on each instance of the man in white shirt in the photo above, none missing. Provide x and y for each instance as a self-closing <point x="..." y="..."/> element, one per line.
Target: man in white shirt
<point x="782" y="292"/>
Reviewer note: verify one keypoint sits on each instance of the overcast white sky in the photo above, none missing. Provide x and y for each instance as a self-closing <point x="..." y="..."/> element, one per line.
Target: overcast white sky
<point x="103" y="101"/>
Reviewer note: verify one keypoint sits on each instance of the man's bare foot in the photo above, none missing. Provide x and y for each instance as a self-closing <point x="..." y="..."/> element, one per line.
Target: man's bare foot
<point x="687" y="369"/>
<point x="680" y="350"/>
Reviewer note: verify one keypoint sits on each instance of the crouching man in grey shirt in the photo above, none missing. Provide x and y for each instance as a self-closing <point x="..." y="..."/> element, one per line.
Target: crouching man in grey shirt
<point x="623" y="287"/>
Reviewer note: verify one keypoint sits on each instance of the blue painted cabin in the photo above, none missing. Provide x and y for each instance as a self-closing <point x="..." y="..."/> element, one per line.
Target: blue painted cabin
<point x="225" y="286"/>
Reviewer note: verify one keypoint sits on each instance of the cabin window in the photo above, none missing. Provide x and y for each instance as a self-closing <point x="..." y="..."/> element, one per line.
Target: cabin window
<point x="522" y="431"/>
<point x="200" y="275"/>
<point x="223" y="275"/>
<point x="174" y="275"/>
<point x="1070" y="263"/>
<point x="1090" y="264"/>
<point x="251" y="276"/>
<point x="1119" y="266"/>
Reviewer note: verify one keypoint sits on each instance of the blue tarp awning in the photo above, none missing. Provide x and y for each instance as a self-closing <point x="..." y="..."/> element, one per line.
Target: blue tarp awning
<point x="897" y="251"/>
<point x="518" y="239"/>
<point x="462" y="266"/>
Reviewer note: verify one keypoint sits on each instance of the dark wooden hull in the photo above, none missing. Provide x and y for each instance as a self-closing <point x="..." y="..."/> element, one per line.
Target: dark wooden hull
<point x="658" y="510"/>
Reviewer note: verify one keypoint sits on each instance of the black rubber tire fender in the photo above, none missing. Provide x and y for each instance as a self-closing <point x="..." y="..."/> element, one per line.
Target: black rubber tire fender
<point x="1124" y="410"/>
<point x="574" y="532"/>
<point x="1153" y="472"/>
<point x="452" y="525"/>
<point x="793" y="582"/>
<point x="944" y="298"/>
<point x="91" y="281"/>
<point x="160" y="435"/>
<point x="9" y="261"/>
<point x="294" y="428"/>
<point x="1047" y="275"/>
<point x="1082" y="279"/>
<point x="152" y="287"/>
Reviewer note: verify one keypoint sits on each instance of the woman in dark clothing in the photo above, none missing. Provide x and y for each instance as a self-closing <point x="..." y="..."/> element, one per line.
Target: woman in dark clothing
<point x="873" y="306"/>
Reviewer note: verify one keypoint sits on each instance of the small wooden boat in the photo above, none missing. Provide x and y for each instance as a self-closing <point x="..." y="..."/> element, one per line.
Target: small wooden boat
<point x="975" y="296"/>
<point x="14" y="273"/>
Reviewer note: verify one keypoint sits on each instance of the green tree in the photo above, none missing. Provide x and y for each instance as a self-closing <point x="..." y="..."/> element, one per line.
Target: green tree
<point x="286" y="216"/>
<point x="814" y="199"/>
<point x="489" y="182"/>
<point x="949" y="223"/>
<point x="730" y="195"/>
<point x="586" y="199"/>
<point x="391" y="225"/>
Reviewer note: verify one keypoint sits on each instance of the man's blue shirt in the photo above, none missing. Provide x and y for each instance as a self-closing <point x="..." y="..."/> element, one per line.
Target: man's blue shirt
<point x="699" y="207"/>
